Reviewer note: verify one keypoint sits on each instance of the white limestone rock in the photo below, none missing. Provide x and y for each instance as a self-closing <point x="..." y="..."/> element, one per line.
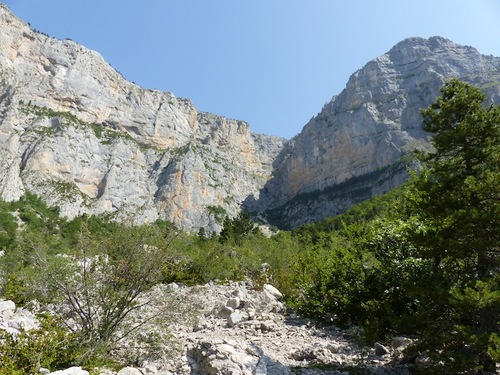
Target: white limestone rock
<point x="129" y="371"/>
<point x="71" y="371"/>
<point x="75" y="132"/>
<point x="194" y="338"/>
<point x="235" y="318"/>
<point x="7" y="308"/>
<point x="13" y="320"/>
<point x="268" y="288"/>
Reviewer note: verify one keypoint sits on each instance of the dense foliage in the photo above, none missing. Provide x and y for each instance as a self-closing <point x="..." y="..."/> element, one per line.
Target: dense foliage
<point x="422" y="260"/>
<point x="456" y="202"/>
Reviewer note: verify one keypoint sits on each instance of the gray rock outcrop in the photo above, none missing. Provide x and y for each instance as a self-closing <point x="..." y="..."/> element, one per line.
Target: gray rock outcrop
<point x="75" y="132"/>
<point x="71" y="371"/>
<point x="355" y="147"/>
<point x="14" y="320"/>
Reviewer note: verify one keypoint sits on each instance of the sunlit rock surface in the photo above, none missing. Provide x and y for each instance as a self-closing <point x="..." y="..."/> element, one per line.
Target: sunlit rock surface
<point x="78" y="134"/>
<point x="355" y="147"/>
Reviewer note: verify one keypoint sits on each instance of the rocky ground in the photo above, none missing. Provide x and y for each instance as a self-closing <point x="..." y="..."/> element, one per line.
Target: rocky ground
<point x="243" y="331"/>
<point x="232" y="329"/>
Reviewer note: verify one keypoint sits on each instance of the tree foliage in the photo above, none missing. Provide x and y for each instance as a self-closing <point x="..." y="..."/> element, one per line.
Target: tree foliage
<point x="237" y="228"/>
<point x="456" y="201"/>
<point x="94" y="278"/>
<point x="110" y="274"/>
<point x="458" y="194"/>
<point x="50" y="346"/>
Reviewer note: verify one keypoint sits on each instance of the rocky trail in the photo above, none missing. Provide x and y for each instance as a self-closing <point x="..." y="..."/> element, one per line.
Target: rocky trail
<point x="233" y="329"/>
<point x="244" y="331"/>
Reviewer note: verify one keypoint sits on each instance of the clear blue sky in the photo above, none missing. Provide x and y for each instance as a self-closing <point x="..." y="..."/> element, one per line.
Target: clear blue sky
<point x="273" y="63"/>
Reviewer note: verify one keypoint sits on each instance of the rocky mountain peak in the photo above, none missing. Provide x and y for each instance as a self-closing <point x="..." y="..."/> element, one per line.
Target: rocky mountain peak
<point x="413" y="49"/>
<point x="355" y="147"/>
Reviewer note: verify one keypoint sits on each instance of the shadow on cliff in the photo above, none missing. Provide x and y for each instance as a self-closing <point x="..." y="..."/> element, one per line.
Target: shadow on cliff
<point x="317" y="205"/>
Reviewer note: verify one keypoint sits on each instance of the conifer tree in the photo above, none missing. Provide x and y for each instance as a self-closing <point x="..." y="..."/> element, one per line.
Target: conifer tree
<point x="457" y="200"/>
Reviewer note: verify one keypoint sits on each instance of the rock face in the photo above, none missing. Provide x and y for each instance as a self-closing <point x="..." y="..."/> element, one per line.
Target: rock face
<point x="355" y="147"/>
<point x="75" y="132"/>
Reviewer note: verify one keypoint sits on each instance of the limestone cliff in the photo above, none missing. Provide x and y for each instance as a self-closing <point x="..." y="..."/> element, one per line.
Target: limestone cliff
<point x="355" y="147"/>
<point x="75" y="132"/>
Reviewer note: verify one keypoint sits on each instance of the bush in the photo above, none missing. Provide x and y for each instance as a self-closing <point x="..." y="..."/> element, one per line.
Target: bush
<point x="8" y="228"/>
<point x="329" y="278"/>
<point x="94" y="277"/>
<point x="51" y="346"/>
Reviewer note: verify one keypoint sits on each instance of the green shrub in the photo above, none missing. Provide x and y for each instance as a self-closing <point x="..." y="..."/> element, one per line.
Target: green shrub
<point x="51" y="346"/>
<point x="329" y="278"/>
<point x="8" y="228"/>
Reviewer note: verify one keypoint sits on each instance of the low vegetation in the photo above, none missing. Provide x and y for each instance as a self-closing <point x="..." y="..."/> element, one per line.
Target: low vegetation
<point x="422" y="260"/>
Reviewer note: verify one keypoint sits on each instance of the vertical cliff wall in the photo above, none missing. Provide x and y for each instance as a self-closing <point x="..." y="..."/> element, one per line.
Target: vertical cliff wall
<point x="75" y="132"/>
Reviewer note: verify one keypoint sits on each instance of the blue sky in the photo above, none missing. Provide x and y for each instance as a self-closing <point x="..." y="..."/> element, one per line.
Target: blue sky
<point x="273" y="63"/>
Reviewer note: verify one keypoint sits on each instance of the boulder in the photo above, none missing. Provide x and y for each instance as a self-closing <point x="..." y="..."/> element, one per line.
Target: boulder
<point x="235" y="318"/>
<point x="71" y="371"/>
<point x="381" y="349"/>
<point x="233" y="303"/>
<point x="7" y="308"/>
<point x="129" y="371"/>
<point x="268" y="288"/>
<point x="400" y="342"/>
<point x="14" y="320"/>
<point x="236" y="358"/>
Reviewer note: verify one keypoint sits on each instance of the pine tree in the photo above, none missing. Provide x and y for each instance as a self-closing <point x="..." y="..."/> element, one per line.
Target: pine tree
<point x="237" y="228"/>
<point x="457" y="200"/>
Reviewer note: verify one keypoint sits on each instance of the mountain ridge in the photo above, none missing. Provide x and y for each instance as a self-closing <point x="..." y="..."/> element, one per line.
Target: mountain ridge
<point x="74" y="131"/>
<point x="369" y="129"/>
